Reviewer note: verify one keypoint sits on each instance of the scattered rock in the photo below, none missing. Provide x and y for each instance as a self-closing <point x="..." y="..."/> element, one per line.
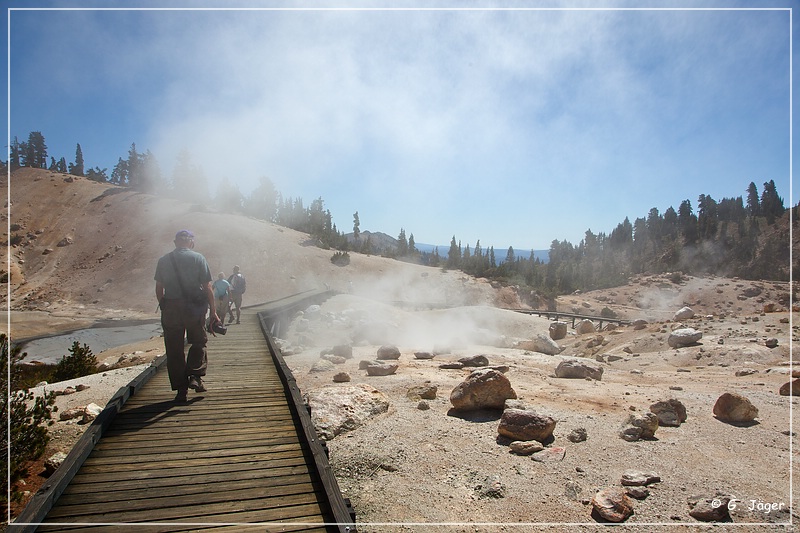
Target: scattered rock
<point x="635" y="478"/>
<point x="792" y="388"/>
<point x="670" y="413"/>
<point x="338" y="409"/>
<point x="578" y="435"/>
<point x="424" y="392"/>
<point x="388" y="352"/>
<point x="381" y="369"/>
<point x="639" y="324"/>
<point x="683" y="313"/>
<point x="341" y="377"/>
<point x="714" y="509"/>
<point x="452" y="366"/>
<point x="639" y="427"/>
<point x="71" y="414"/>
<point x="90" y="412"/>
<point x="746" y="372"/>
<point x="524" y="425"/>
<point x="684" y="337"/>
<point x="343" y="350"/>
<point x="322" y="365"/>
<point x="483" y="389"/>
<point x="585" y="326"/>
<point x="541" y="344"/>
<point x="423" y="355"/>
<point x="525" y="447"/>
<point x="771" y="342"/>
<point x="612" y="504"/>
<point x="474" y="360"/>
<point x="733" y="407"/>
<point x="53" y="462"/>
<point x="576" y="369"/>
<point x="557" y="330"/>
<point x="751" y="292"/>
<point x="640" y="493"/>
<point x="335" y="359"/>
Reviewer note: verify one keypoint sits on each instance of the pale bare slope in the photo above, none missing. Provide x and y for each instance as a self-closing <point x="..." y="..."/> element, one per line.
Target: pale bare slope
<point x="112" y="237"/>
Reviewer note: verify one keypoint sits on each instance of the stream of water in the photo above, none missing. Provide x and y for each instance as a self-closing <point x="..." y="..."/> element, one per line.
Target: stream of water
<point x="51" y="349"/>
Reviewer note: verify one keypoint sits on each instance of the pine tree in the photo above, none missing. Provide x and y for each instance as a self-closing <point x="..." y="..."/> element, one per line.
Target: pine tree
<point x="454" y="254"/>
<point x="77" y="168"/>
<point x="356" y="227"/>
<point x="402" y="244"/>
<point x="771" y="204"/>
<point x="753" y="205"/>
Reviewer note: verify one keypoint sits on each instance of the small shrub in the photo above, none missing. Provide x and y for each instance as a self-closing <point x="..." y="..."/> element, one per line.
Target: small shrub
<point x="15" y="227"/>
<point x="16" y="239"/>
<point x="28" y="417"/>
<point x="81" y="362"/>
<point x="341" y="259"/>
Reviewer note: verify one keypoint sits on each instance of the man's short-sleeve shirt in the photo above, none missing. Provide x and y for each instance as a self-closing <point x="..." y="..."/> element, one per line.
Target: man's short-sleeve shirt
<point x="220" y="288"/>
<point x="193" y="268"/>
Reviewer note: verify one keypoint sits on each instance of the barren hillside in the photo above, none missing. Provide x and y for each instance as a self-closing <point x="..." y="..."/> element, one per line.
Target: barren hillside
<point x="82" y="249"/>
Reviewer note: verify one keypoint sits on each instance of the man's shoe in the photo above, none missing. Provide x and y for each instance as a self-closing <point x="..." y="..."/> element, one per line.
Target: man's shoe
<point x="197" y="384"/>
<point x="237" y="321"/>
<point x="181" y="396"/>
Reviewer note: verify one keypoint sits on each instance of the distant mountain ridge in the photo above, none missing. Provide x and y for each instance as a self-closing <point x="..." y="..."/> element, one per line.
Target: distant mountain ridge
<point x="381" y="242"/>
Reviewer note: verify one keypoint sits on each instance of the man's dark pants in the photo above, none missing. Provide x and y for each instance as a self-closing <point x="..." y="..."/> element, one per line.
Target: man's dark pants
<point x="176" y="319"/>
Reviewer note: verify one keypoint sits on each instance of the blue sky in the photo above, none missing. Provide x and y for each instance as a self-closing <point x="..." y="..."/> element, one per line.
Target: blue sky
<point x="512" y="126"/>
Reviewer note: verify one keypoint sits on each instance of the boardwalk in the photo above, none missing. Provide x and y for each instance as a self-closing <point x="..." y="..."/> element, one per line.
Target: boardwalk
<point x="233" y="458"/>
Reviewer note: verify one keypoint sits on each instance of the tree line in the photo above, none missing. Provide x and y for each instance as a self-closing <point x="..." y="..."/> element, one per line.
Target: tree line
<point x="745" y="236"/>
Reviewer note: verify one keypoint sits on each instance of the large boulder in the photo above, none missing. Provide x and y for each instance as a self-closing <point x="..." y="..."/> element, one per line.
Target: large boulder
<point x="542" y="344"/>
<point x="388" y="352"/>
<point x="525" y="425"/>
<point x="639" y="427"/>
<point x="735" y="408"/>
<point x="576" y="369"/>
<point x="670" y="413"/>
<point x="483" y="389"/>
<point x="684" y="337"/>
<point x="683" y="313"/>
<point x="585" y="326"/>
<point x="612" y="504"/>
<point x="557" y="330"/>
<point x="790" y="388"/>
<point x="474" y="360"/>
<point x="338" y="409"/>
<point x="376" y="368"/>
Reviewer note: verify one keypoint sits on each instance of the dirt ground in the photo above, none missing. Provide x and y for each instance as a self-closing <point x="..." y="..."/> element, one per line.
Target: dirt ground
<point x="417" y="469"/>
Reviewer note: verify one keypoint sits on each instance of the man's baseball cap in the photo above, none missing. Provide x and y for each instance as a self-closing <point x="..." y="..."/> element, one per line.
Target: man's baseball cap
<point x="184" y="234"/>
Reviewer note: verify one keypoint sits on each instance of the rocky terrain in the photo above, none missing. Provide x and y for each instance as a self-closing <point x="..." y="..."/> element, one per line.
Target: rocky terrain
<point x="415" y="463"/>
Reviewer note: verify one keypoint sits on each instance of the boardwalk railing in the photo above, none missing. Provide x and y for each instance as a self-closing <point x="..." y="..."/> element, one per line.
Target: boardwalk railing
<point x="557" y="315"/>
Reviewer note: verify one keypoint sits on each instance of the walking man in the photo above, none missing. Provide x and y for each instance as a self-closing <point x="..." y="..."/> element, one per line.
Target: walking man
<point x="222" y="294"/>
<point x="238" y="286"/>
<point x="183" y="289"/>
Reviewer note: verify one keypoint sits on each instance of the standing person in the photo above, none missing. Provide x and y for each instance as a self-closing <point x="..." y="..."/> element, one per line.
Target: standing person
<point x="222" y="294"/>
<point x="183" y="289"/>
<point x="238" y="286"/>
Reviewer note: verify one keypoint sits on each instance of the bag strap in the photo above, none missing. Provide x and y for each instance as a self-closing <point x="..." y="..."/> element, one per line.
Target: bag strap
<point x="178" y="274"/>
